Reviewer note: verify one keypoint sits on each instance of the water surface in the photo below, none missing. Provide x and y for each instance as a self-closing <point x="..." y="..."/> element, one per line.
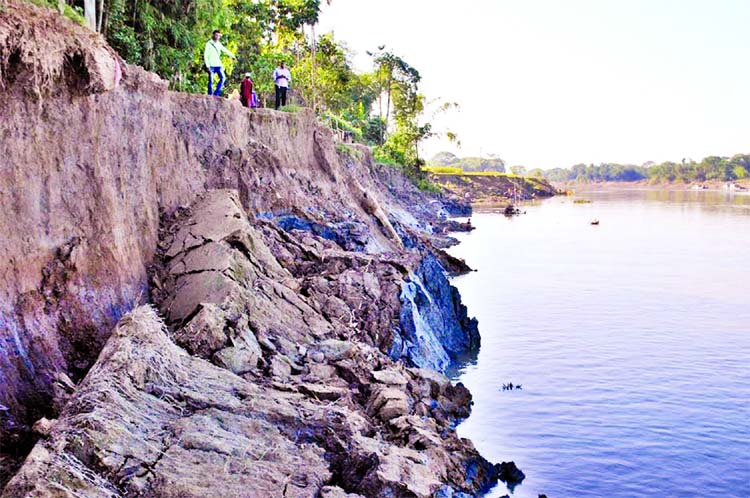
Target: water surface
<point x="631" y="340"/>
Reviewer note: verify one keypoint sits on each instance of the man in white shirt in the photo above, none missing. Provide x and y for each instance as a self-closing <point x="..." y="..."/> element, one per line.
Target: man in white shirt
<point x="212" y="59"/>
<point x="281" y="78"/>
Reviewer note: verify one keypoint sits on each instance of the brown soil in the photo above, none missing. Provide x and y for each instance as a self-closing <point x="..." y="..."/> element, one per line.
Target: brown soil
<point x="270" y="372"/>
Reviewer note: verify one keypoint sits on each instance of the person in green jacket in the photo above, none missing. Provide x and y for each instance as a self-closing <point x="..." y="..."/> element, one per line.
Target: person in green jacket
<point x="212" y="59"/>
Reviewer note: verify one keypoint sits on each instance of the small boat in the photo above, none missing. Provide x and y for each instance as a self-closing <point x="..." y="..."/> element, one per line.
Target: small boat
<point x="734" y="186"/>
<point x="594" y="222"/>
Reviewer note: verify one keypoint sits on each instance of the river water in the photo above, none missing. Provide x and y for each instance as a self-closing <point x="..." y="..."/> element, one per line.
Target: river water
<point x="631" y="340"/>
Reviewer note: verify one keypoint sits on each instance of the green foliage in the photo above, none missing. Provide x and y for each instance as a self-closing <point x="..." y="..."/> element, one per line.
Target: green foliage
<point x="75" y="14"/>
<point x="291" y="108"/>
<point x="489" y="163"/>
<point x="427" y="186"/>
<point x="383" y="108"/>
<point x="444" y="170"/>
<point x="536" y="173"/>
<point x="169" y="37"/>
<point x="710" y="168"/>
<point x="444" y="159"/>
<point x="350" y="151"/>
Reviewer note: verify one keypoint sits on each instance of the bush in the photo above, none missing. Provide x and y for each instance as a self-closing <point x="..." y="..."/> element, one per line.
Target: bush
<point x="74" y="14"/>
<point x="350" y="151"/>
<point x="291" y="108"/>
<point x="444" y="170"/>
<point x="427" y="186"/>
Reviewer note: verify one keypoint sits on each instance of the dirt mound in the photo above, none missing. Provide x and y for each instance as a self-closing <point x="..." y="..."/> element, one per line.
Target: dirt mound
<point x="39" y="48"/>
<point x="494" y="189"/>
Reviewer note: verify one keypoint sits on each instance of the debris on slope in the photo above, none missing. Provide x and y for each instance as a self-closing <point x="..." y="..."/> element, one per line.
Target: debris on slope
<point x="151" y="420"/>
<point x="37" y="50"/>
<point x="287" y="360"/>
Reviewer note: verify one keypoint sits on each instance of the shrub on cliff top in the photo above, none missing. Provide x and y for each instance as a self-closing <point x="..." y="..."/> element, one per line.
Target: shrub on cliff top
<point x="291" y="108"/>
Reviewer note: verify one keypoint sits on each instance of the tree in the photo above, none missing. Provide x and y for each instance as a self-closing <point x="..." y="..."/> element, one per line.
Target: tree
<point x="536" y="173"/>
<point x="394" y="76"/>
<point x="443" y="159"/>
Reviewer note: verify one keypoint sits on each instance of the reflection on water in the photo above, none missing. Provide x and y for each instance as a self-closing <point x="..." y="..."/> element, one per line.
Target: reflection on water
<point x="631" y="340"/>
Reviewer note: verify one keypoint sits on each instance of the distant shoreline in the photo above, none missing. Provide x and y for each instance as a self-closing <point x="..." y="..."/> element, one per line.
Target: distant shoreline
<point x="645" y="185"/>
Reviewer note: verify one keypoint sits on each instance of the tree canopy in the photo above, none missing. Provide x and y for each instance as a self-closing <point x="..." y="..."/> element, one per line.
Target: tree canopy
<point x="383" y="107"/>
<point x="717" y="168"/>
<point x="487" y="163"/>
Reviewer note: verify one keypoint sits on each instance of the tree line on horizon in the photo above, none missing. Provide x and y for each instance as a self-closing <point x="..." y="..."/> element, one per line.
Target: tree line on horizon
<point x="711" y="168"/>
<point x="490" y="162"/>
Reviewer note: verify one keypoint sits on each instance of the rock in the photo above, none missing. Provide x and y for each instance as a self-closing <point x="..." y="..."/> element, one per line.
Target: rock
<point x="43" y="426"/>
<point x="449" y="492"/>
<point x="393" y="408"/>
<point x="419" y="433"/>
<point x="390" y="377"/>
<point x="168" y="424"/>
<point x="280" y="369"/>
<point x="336" y="492"/>
<point x="219" y="216"/>
<point x="388" y="403"/>
<point x="236" y="360"/>
<point x="509" y="473"/>
<point x="435" y="328"/>
<point x="335" y="350"/>
<point x="318" y="372"/>
<point x="317" y="357"/>
<point x="409" y="468"/>
<point x="204" y="334"/>
<point x="321" y="391"/>
<point x="62" y="388"/>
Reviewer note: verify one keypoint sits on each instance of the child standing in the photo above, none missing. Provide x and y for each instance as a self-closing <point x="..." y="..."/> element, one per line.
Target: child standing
<point x="246" y="91"/>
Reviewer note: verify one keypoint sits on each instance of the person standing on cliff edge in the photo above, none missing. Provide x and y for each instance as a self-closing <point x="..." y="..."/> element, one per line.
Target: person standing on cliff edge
<point x="212" y="59"/>
<point x="281" y="78"/>
<point x="246" y="91"/>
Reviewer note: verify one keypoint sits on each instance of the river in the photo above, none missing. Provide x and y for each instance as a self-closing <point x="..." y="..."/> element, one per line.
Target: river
<point x="631" y="341"/>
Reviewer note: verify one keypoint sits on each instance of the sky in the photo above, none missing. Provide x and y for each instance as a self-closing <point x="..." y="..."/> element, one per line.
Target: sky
<point x="552" y="83"/>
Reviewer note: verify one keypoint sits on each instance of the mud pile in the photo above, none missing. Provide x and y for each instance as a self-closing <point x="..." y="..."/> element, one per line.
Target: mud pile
<point x="298" y="312"/>
<point x="478" y="188"/>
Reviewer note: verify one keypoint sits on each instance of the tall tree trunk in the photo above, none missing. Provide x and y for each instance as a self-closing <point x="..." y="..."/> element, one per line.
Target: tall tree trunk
<point x="312" y="78"/>
<point x="380" y="115"/>
<point x="89" y="12"/>
<point x="101" y="16"/>
<point x="388" y="104"/>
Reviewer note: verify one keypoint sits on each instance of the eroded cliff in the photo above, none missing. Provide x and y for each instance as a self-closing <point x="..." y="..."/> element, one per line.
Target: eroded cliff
<point x="300" y="293"/>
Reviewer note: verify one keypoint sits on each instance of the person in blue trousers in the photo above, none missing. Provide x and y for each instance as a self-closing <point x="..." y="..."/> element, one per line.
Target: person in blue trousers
<point x="212" y="59"/>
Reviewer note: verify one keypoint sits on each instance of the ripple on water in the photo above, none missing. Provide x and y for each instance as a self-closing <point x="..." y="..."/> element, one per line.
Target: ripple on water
<point x="631" y="340"/>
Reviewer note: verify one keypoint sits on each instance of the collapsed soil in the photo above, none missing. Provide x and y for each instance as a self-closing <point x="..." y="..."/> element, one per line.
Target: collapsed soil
<point x="203" y="300"/>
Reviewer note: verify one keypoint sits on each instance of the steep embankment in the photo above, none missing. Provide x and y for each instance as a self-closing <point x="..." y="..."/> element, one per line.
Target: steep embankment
<point x="493" y="188"/>
<point x="300" y="295"/>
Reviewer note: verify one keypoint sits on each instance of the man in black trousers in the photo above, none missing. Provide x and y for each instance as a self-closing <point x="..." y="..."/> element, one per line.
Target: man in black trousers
<point x="281" y="78"/>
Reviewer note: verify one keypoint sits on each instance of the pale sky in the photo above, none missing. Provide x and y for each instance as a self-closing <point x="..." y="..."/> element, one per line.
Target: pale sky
<point x="547" y="83"/>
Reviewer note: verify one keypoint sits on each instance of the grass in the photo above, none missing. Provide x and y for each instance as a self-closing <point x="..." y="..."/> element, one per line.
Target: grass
<point x="350" y="151"/>
<point x="452" y="170"/>
<point x="71" y="13"/>
<point x="388" y="162"/>
<point x="444" y="170"/>
<point x="581" y="201"/>
<point x="291" y="108"/>
<point x="428" y="186"/>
